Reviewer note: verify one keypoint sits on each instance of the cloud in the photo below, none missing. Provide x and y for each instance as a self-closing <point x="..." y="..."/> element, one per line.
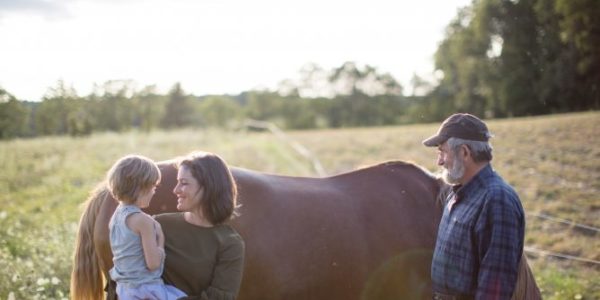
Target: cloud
<point x="50" y="9"/>
<point x="46" y="8"/>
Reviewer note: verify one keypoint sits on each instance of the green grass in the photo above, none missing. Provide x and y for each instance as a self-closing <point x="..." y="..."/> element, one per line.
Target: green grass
<point x="553" y="162"/>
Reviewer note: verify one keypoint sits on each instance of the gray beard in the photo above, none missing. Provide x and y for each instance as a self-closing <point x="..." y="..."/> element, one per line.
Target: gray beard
<point x="454" y="174"/>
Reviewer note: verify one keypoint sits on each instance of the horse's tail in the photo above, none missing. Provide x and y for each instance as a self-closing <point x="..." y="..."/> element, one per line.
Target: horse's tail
<point x="86" y="277"/>
<point x="526" y="287"/>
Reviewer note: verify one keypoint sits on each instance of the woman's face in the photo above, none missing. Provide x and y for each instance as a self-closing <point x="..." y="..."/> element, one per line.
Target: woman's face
<point x="188" y="190"/>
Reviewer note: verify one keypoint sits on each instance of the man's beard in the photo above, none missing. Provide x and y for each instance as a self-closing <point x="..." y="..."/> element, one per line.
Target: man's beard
<point x="454" y="174"/>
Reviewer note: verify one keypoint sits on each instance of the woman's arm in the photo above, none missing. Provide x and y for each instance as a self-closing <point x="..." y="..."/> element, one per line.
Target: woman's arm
<point x="145" y="226"/>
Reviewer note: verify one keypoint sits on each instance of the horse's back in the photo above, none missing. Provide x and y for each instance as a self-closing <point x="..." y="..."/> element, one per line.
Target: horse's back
<point x="338" y="237"/>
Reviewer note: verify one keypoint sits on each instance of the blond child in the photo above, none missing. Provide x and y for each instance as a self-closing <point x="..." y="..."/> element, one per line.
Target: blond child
<point x="136" y="239"/>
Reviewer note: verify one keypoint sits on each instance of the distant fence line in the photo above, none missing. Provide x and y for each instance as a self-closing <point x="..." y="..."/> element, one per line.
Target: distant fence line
<point x="321" y="172"/>
<point x="295" y="145"/>
<point x="546" y="253"/>
<point x="564" y="221"/>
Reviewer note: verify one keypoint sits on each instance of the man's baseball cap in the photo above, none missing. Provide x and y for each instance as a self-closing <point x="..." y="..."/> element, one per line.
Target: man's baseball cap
<point x="463" y="126"/>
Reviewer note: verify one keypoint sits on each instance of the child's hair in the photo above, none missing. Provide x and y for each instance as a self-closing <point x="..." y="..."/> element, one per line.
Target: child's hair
<point x="130" y="176"/>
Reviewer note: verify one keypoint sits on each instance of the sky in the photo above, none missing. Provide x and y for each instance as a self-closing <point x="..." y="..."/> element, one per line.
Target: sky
<point x="211" y="46"/>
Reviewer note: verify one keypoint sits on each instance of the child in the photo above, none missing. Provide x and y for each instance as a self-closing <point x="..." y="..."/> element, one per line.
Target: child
<point x="136" y="239"/>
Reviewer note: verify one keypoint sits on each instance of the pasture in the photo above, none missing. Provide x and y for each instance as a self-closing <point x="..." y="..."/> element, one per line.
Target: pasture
<point x="553" y="162"/>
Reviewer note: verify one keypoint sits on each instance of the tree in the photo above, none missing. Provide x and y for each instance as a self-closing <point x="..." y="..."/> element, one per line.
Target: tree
<point x="463" y="62"/>
<point x="178" y="111"/>
<point x="519" y="61"/>
<point x="61" y="112"/>
<point x="219" y="111"/>
<point x="513" y="58"/>
<point x="349" y="79"/>
<point x="112" y="106"/>
<point x="150" y="108"/>
<point x="13" y="116"/>
<point x="580" y="27"/>
<point x="264" y="106"/>
<point x="556" y="84"/>
<point x="420" y="86"/>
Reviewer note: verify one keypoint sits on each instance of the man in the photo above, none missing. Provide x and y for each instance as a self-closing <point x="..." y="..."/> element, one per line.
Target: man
<point x="480" y="238"/>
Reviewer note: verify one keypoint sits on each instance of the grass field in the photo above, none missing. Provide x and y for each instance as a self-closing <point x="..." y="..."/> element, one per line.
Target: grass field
<point x="553" y="162"/>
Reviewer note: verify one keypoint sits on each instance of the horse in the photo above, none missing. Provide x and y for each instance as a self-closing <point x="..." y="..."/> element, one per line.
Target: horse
<point x="365" y="234"/>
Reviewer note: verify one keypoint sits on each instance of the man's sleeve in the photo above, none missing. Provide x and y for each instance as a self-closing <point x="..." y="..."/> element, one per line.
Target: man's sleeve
<point x="499" y="234"/>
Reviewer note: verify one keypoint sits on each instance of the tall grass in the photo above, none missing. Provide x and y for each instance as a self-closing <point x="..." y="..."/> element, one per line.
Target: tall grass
<point x="554" y="163"/>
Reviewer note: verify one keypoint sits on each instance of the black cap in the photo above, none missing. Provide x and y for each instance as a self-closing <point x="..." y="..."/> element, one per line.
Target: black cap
<point x="463" y="126"/>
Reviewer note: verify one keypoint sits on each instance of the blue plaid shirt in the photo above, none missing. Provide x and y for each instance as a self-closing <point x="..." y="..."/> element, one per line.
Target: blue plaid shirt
<point x="480" y="239"/>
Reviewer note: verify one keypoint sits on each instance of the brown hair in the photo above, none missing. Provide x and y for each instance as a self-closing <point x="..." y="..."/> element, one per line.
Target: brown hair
<point x="219" y="202"/>
<point x="130" y="176"/>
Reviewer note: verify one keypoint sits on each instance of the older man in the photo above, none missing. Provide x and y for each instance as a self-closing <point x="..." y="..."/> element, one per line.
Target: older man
<point x="480" y="238"/>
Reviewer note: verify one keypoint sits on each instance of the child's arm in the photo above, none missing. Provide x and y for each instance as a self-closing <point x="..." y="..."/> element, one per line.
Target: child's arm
<point x="143" y="225"/>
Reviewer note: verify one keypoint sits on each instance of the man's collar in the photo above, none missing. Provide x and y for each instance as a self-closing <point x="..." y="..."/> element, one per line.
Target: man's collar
<point x="485" y="172"/>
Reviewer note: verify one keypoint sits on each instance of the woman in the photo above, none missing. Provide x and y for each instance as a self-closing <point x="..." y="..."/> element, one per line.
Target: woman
<point x="204" y="256"/>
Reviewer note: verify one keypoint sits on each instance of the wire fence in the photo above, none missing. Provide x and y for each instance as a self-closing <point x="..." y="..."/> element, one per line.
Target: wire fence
<point x="565" y="222"/>
<point x="303" y="151"/>
<point x="545" y="253"/>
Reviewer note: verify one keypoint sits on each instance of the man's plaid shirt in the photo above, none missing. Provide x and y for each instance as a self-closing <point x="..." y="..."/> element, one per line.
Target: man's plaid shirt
<point x="480" y="239"/>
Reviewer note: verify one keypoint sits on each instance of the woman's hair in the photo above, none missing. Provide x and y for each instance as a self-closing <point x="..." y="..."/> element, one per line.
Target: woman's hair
<point x="130" y="176"/>
<point x="480" y="151"/>
<point x="219" y="202"/>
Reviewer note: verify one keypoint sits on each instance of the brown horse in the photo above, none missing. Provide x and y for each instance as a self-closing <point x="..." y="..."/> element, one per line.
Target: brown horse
<point x="366" y="234"/>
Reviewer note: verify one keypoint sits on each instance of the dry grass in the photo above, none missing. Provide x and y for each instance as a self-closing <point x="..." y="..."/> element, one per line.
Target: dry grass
<point x="553" y="162"/>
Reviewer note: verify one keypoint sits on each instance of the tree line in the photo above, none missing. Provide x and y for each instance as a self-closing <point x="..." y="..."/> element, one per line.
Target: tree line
<point x="499" y="58"/>
<point x="503" y="58"/>
<point x="118" y="106"/>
